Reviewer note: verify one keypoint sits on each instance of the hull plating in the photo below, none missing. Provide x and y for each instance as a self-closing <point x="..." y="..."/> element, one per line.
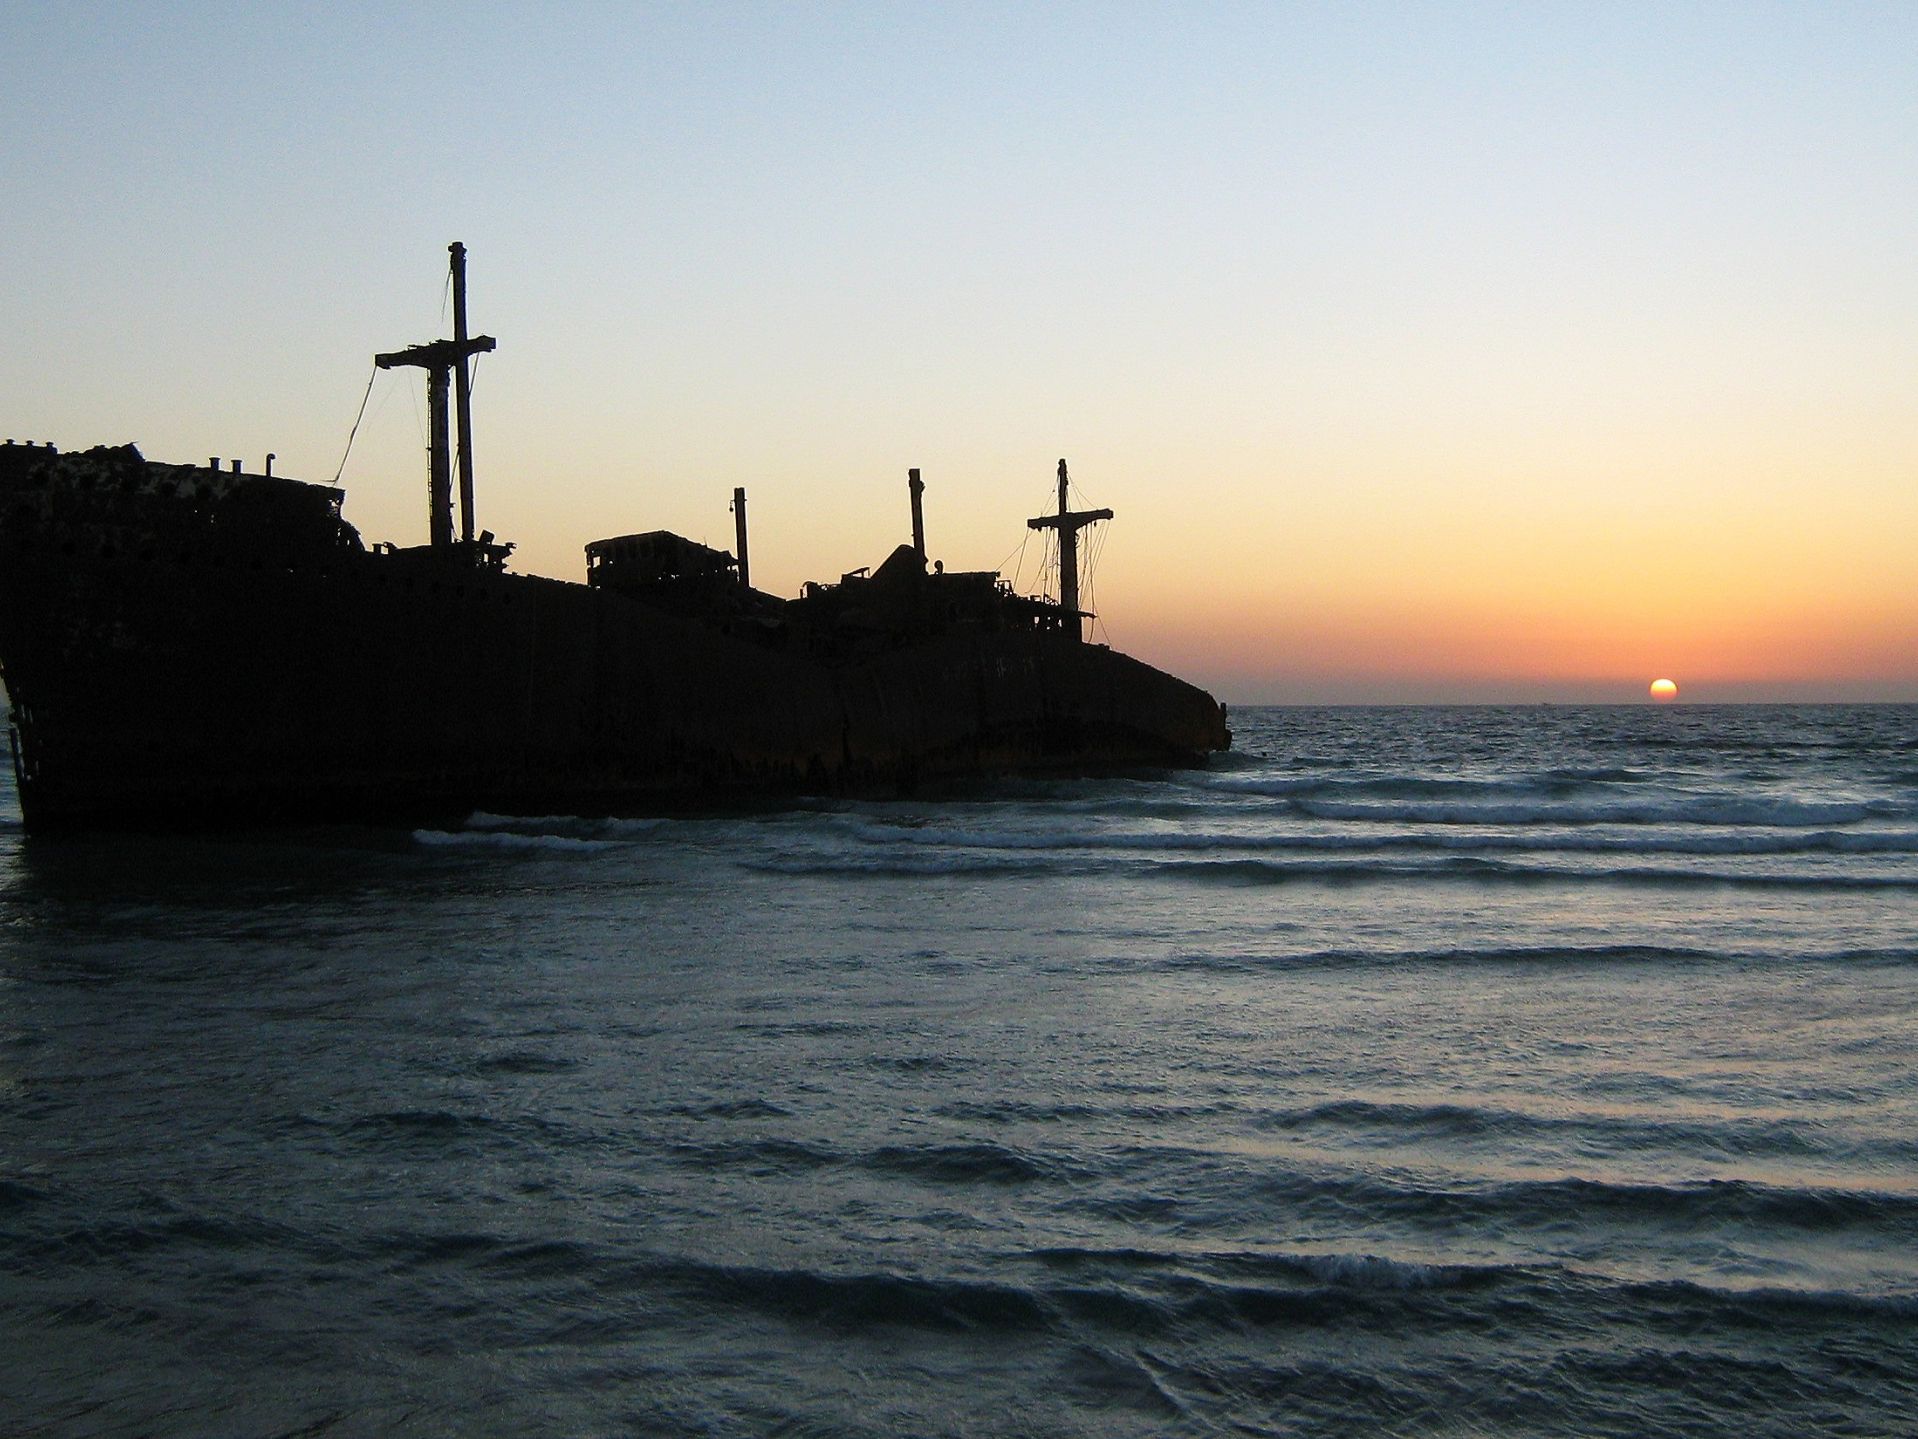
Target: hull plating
<point x="170" y="682"/>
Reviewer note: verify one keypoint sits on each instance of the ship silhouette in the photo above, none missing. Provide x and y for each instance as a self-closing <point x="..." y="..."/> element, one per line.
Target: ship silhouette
<point x="190" y="645"/>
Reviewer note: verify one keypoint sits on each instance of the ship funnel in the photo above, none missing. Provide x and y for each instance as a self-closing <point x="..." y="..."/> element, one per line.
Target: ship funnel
<point x="739" y="528"/>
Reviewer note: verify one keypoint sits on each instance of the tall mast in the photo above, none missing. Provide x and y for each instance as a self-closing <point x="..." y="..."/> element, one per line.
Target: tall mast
<point x="1068" y="523"/>
<point x="463" y="394"/>
<point x="439" y="359"/>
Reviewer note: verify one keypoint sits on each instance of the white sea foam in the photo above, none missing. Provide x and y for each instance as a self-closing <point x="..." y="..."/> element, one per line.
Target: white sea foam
<point x="1371" y="1271"/>
<point x="507" y="839"/>
<point x="1546" y="799"/>
<point x="1256" y="870"/>
<point x="577" y="825"/>
<point x="1633" y="839"/>
<point x="1755" y="811"/>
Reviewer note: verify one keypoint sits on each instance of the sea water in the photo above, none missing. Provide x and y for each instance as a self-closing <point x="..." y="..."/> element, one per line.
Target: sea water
<point x="1406" y="1072"/>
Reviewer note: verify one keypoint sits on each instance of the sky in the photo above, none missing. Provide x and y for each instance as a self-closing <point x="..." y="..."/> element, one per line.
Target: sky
<point x="1426" y="352"/>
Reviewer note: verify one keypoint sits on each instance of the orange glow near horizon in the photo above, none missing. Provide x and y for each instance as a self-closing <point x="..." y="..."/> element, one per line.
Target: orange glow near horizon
<point x="1543" y="585"/>
<point x="1523" y="645"/>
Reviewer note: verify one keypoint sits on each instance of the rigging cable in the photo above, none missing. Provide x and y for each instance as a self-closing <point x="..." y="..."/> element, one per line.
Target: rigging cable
<point x="1093" y="553"/>
<point x="1019" y="550"/>
<point x="419" y="420"/>
<point x="1048" y="568"/>
<point x="1049" y="562"/>
<point x="356" y="424"/>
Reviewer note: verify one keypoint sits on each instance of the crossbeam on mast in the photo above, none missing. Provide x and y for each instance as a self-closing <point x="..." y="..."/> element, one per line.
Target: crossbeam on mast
<point x="438" y="359"/>
<point x="1068" y="523"/>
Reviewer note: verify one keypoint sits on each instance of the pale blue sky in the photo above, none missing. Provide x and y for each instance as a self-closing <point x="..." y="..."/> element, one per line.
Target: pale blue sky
<point x="1287" y="282"/>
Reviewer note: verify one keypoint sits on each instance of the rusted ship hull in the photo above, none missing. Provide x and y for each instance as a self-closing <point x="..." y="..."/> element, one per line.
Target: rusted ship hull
<point x="171" y="665"/>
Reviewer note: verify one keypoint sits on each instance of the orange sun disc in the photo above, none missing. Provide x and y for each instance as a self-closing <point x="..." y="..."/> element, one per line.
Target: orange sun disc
<point x="1664" y="690"/>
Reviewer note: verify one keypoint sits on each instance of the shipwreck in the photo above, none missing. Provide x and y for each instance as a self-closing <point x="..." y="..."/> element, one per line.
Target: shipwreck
<point x="188" y="645"/>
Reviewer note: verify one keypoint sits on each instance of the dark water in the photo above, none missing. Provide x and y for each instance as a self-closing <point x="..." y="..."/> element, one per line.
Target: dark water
<point x="1413" y="1072"/>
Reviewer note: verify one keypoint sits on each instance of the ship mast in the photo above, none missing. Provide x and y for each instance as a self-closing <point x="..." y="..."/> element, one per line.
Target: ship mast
<point x="438" y="359"/>
<point x="463" y="396"/>
<point x="1068" y="523"/>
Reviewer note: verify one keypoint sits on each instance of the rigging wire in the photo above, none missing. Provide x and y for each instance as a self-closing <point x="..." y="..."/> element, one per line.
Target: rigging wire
<point x="1049" y="561"/>
<point x="419" y="419"/>
<point x="1019" y="550"/>
<point x="356" y="424"/>
<point x="1049" y="577"/>
<point x="472" y="382"/>
<point x="1088" y="593"/>
<point x="1076" y="496"/>
<point x="1093" y="554"/>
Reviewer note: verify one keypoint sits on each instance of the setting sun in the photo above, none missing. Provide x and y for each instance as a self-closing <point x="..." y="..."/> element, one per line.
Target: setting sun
<point x="1664" y="691"/>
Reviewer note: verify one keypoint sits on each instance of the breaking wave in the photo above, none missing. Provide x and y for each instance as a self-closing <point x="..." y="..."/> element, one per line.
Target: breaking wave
<point x="1474" y="868"/>
<point x="1412" y="800"/>
<point x="509" y="840"/>
<point x="1814" y="841"/>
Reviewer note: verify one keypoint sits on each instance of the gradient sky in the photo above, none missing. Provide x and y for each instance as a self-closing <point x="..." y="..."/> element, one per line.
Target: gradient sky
<point x="1499" y="352"/>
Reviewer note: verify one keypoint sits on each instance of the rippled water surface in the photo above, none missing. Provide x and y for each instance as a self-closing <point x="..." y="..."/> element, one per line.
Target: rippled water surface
<point x="1410" y="1072"/>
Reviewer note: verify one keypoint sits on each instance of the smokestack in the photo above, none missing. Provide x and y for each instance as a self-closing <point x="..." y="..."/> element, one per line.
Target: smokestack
<point x="918" y="488"/>
<point x="739" y="527"/>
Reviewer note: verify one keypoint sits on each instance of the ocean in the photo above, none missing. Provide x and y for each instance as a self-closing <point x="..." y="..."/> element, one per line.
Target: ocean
<point x="1410" y="1071"/>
